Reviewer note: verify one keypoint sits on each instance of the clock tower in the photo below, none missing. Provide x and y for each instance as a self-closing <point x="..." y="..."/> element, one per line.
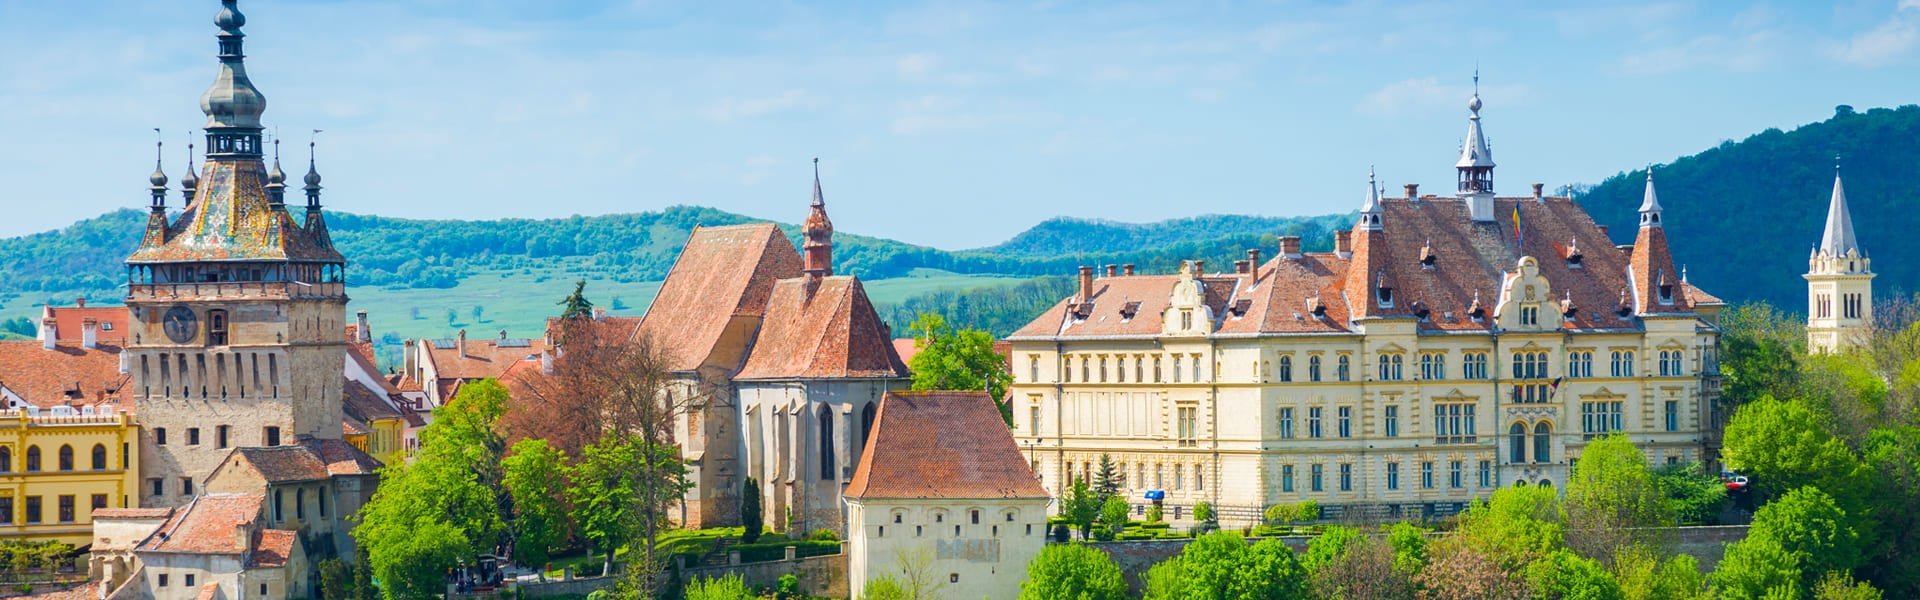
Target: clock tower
<point x="237" y="309"/>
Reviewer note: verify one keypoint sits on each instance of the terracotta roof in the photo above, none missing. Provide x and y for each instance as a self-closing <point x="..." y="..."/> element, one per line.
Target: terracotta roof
<point x="835" y="334"/>
<point x="941" y="445"/>
<point x="84" y="591"/>
<point x="271" y="548"/>
<point x="1653" y="270"/>
<point x="723" y="272"/>
<point x="65" y="375"/>
<point x="365" y="404"/>
<point x="482" y="359"/>
<point x="207" y="525"/>
<point x="131" y="513"/>
<point x="1324" y="292"/>
<point x="906" y="348"/>
<point x="522" y="368"/>
<point x="69" y="323"/>
<point x="210" y="591"/>
<point x="1697" y="296"/>
<point x="310" y="459"/>
<point x="229" y="219"/>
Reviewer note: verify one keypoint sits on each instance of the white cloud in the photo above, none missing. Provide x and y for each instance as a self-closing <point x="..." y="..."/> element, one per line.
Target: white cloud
<point x="1891" y="40"/>
<point x="729" y="109"/>
<point x="1752" y="51"/>
<point x="913" y="66"/>
<point x="1427" y="95"/>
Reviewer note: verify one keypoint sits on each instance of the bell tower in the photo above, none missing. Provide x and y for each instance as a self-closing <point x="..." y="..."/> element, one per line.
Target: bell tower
<point x="237" y="313"/>
<point x="1474" y="170"/>
<point x="1839" y="282"/>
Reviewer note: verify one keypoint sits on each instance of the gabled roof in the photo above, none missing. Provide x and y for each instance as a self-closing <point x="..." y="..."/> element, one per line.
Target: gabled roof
<point x="365" y="404"/>
<point x="941" y="445"/>
<point x="309" y="459"/>
<point x="69" y="324"/>
<point x="63" y="376"/>
<point x="230" y="219"/>
<point x="724" y="272"/>
<point x="272" y="548"/>
<point x="208" y="524"/>
<point x="481" y="358"/>
<point x="834" y="334"/>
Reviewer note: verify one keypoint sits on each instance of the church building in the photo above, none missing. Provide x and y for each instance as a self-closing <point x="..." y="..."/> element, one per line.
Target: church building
<point x="1448" y="345"/>
<point x="1839" y="282"/>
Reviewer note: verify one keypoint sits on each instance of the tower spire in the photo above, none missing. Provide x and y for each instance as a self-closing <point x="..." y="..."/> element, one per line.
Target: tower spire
<point x="817" y="249"/>
<point x="232" y="105"/>
<point x="276" y="180"/>
<point x="1838" y="240"/>
<point x="1650" y="204"/>
<point x="1370" y="211"/>
<point x="158" y="180"/>
<point x="191" y="181"/>
<point x="1474" y="170"/>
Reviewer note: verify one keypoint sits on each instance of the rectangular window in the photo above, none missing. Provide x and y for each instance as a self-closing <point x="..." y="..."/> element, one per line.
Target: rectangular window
<point x="163" y="580"/>
<point x="1033" y="368"/>
<point x="1474" y="365"/>
<point x="1426" y="475"/>
<point x="98" y="501"/>
<point x="159" y="436"/>
<point x="1454" y="424"/>
<point x="1189" y="423"/>
<point x="1176" y="368"/>
<point x="1346" y="477"/>
<point x="33" y="510"/>
<point x="1286" y="423"/>
<point x="1033" y="420"/>
<point x="1393" y="420"/>
<point x="1486" y="473"/>
<point x="220" y="436"/>
<point x="155" y="487"/>
<point x="1393" y="476"/>
<point x="1179" y="477"/>
<point x="272" y="436"/>
<point x="1346" y="422"/>
<point x="1600" y="418"/>
<point x="1455" y="476"/>
<point x="186" y="487"/>
<point x="67" y="509"/>
<point x="1673" y="415"/>
<point x="1313" y="422"/>
<point x="1314" y="478"/>
<point x="6" y="510"/>
<point x="193" y="436"/>
<point x="1156" y="369"/>
<point x="1286" y="482"/>
<point x="1196" y="369"/>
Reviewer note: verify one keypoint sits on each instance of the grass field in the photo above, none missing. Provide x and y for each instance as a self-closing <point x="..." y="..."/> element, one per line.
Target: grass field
<point x="520" y="302"/>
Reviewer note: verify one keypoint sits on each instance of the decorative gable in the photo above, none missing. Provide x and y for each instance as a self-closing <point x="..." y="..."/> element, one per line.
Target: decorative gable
<point x="1187" y="312"/>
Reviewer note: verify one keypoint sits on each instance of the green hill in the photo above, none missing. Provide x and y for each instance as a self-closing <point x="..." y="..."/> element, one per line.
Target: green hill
<point x="1068" y="235"/>
<point x="1744" y="215"/>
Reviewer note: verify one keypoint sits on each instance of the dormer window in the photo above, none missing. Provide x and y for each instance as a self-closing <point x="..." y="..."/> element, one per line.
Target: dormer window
<point x="1385" y="295"/>
<point x="1624" y="311"/>
<point x="1666" y="293"/>
<point x="1128" y="310"/>
<point x="1240" y="307"/>
<point x="1421" y="312"/>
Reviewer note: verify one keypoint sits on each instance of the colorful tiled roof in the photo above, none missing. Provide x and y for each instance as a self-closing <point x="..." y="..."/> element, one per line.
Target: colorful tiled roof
<point x="63" y="376"/>
<point x="723" y="272"/>
<point x="231" y="220"/>
<point x="941" y="445"/>
<point x="833" y="334"/>
<point x="210" y="524"/>
<point x="1428" y="251"/>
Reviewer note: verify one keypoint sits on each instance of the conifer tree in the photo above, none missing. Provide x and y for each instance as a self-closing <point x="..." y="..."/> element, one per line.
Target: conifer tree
<point x="750" y="513"/>
<point x="1106" y="481"/>
<point x="576" y="305"/>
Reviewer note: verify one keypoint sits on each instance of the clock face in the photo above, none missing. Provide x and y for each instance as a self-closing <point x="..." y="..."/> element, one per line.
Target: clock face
<point x="180" y="324"/>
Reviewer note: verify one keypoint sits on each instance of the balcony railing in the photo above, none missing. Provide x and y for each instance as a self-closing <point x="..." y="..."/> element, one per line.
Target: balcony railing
<point x="235" y="289"/>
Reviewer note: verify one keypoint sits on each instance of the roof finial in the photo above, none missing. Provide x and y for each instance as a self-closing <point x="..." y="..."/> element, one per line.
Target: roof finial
<point x="159" y="177"/>
<point x="313" y="174"/>
<point x="818" y="198"/>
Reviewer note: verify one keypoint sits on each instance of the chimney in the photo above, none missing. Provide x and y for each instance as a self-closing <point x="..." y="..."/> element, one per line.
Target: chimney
<point x="80" y="302"/>
<point x="407" y="360"/>
<point x="1413" y="191"/>
<point x="48" y="333"/>
<point x="1086" y="286"/>
<point x="1343" y="243"/>
<point x="1112" y="270"/>
<point x="1289" y="246"/>
<point x="1539" y="191"/>
<point x="503" y="334"/>
<point x="546" y="362"/>
<point x="242" y="536"/>
<point x="460" y="343"/>
<point x="1253" y="257"/>
<point x="89" y="333"/>
<point x="362" y="333"/>
<point x="599" y="313"/>
<point x="1240" y="267"/>
<point x="1127" y="269"/>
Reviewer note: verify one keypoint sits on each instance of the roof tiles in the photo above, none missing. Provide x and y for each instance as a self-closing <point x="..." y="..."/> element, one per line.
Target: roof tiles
<point x="941" y="445"/>
<point x="723" y="272"/>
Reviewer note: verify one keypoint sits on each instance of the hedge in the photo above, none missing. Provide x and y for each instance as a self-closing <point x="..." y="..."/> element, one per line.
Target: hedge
<point x="778" y="550"/>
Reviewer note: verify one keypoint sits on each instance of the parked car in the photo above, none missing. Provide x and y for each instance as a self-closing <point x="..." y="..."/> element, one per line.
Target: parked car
<point x="1734" y="482"/>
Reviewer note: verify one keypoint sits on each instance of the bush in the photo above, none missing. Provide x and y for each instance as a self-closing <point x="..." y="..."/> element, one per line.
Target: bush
<point x="1104" y="533"/>
<point x="750" y="513"/>
<point x="1135" y="535"/>
<point x="1283" y="514"/>
<point x="722" y="588"/>
<point x="823" y="535"/>
<point x="788" y="588"/>
<point x="1060" y="534"/>
<point x="1153" y="513"/>
<point x="770" y="551"/>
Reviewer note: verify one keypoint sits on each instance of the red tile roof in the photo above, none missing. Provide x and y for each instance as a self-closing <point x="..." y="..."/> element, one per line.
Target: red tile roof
<point x="482" y="358"/>
<point x="835" y="334"/>
<point x="70" y="322"/>
<point x="310" y="459"/>
<point x="724" y="272"/>
<point x="271" y="548"/>
<point x="209" y="524"/>
<point x="941" y="445"/>
<point x="209" y="591"/>
<point x="906" y="348"/>
<point x="1470" y="260"/>
<point x="65" y="375"/>
<point x="85" y="591"/>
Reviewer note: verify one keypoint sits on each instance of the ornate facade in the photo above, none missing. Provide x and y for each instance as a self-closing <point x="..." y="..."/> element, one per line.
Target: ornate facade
<point x="236" y="309"/>
<point x="1447" y="346"/>
<point x="1839" y="282"/>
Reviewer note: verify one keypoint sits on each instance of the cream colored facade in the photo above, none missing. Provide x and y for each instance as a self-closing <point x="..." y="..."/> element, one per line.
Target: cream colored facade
<point x="973" y="548"/>
<point x="1389" y="419"/>
<point x="1839" y="283"/>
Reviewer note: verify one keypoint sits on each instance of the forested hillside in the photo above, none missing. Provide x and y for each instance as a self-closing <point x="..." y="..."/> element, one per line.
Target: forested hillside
<point x="1068" y="235"/>
<point x="1743" y="216"/>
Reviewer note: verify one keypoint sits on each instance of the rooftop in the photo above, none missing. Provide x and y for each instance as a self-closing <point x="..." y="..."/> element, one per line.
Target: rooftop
<point x="942" y="445"/>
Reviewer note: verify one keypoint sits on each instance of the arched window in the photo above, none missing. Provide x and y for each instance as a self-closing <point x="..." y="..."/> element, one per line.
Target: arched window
<point x="826" y="444"/>
<point x="1286" y="369"/>
<point x="866" y="420"/>
<point x="33" y="459"/>
<point x="1346" y="371"/>
<point x="1313" y="368"/>
<point x="1517" y="439"/>
<point x="1542" y="445"/>
<point x="99" y="457"/>
<point x="66" y="457"/>
<point x="6" y="459"/>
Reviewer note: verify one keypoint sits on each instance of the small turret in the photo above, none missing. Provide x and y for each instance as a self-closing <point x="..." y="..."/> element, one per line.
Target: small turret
<point x="1475" y="167"/>
<point x="1370" y="211"/>
<point x="1650" y="204"/>
<point x="190" y="183"/>
<point x="817" y="248"/>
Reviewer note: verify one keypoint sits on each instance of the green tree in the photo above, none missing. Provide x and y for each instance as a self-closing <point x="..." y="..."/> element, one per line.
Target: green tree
<point x="336" y="579"/>
<point x="446" y="506"/>
<point x="1365" y="569"/>
<point x="535" y="477"/>
<point x="1107" y="478"/>
<point x="576" y="305"/>
<point x="1694" y="496"/>
<point x="1841" y="586"/>
<point x="1081" y="507"/>
<point x="1203" y="515"/>
<point x="1760" y="352"/>
<point x="1643" y="576"/>
<point x="605" y="488"/>
<point x="1409" y="544"/>
<point x="1755" y="567"/>
<point x="729" y="587"/>
<point x="1518" y="525"/>
<point x="1563" y="574"/>
<point x="1072" y="572"/>
<point x="1614" y="501"/>
<point x="1329" y="546"/>
<point x="1221" y="566"/>
<point x="962" y="359"/>
<point x="1812" y="529"/>
<point x="1113" y="513"/>
<point x="1782" y="444"/>
<point x="884" y="587"/>
<point x="751" y="516"/>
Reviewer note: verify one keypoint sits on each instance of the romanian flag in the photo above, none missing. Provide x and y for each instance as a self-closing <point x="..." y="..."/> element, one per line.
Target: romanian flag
<point x="1520" y="237"/>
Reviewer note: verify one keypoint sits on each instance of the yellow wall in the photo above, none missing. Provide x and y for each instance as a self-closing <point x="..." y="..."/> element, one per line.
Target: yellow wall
<point x="118" y="482"/>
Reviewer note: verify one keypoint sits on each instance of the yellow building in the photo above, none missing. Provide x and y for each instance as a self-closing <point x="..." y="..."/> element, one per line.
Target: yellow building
<point x="68" y="443"/>
<point x="1445" y="347"/>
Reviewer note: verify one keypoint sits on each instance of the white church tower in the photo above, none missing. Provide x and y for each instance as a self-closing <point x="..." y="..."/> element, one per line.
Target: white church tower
<point x="1475" y="167"/>
<point x="1839" y="282"/>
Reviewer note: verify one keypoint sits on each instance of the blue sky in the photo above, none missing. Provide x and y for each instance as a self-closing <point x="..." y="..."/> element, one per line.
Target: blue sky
<point x="952" y="124"/>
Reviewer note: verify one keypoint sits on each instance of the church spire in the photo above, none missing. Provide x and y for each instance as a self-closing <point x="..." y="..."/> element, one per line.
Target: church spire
<point x="316" y="220"/>
<point x="818" y="231"/>
<point x="1370" y="211"/>
<point x="1474" y="170"/>
<point x="1838" y="239"/>
<point x="276" y="181"/>
<point x="1650" y="204"/>
<point x="191" y="181"/>
<point x="158" y="180"/>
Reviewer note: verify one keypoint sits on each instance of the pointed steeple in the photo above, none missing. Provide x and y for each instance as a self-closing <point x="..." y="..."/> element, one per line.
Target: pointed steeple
<point x="817" y="249"/>
<point x="1838" y="239"/>
<point x="276" y="181"/>
<point x="1650" y="204"/>
<point x="1370" y="211"/>
<point x="1474" y="170"/>
<point x="316" y="220"/>
<point x="158" y="180"/>
<point x="190" y="183"/>
<point x="232" y="105"/>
